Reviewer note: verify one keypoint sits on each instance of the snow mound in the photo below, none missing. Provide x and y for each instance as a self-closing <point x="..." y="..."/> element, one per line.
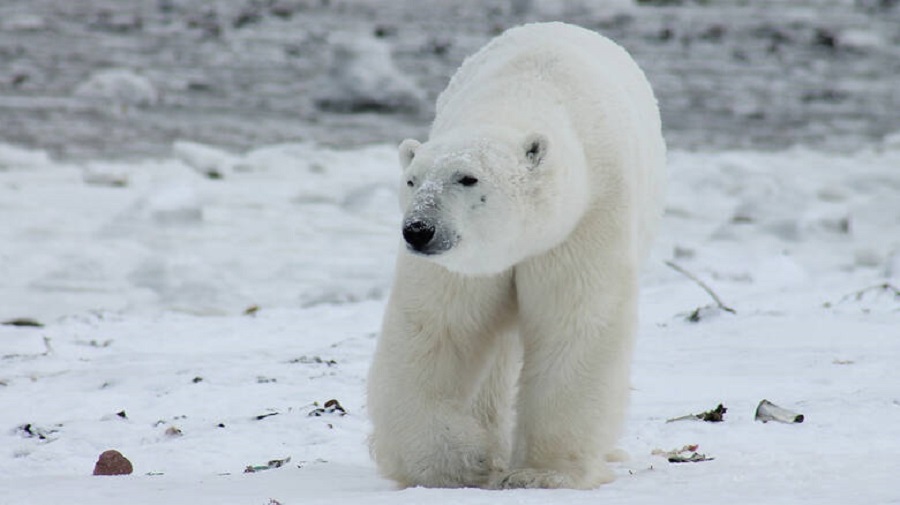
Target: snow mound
<point x="363" y="77"/>
<point x="891" y="142"/>
<point x="105" y="174"/>
<point x="118" y="87"/>
<point x="17" y="158"/>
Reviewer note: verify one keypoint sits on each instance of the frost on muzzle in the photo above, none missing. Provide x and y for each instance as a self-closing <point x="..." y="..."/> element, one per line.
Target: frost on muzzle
<point x="423" y="230"/>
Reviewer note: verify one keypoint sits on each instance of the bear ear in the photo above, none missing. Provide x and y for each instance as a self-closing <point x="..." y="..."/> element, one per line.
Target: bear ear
<point x="408" y="151"/>
<point x="535" y="148"/>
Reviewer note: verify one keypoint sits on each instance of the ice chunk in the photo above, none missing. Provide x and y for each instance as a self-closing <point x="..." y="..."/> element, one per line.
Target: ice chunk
<point x="209" y="161"/>
<point x="119" y="87"/>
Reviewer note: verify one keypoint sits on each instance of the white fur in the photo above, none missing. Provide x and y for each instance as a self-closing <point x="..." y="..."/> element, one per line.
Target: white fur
<point x="504" y="357"/>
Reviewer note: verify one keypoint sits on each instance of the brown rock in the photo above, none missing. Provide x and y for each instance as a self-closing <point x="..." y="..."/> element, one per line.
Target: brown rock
<point x="113" y="463"/>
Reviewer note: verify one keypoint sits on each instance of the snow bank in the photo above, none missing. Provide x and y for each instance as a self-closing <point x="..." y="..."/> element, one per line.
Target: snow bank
<point x="750" y="206"/>
<point x="294" y="224"/>
<point x="286" y="226"/>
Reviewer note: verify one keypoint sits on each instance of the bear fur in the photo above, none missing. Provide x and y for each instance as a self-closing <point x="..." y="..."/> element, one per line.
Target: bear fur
<point x="506" y="344"/>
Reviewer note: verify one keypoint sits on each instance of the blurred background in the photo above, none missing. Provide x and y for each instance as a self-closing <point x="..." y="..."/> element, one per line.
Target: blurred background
<point x="126" y="78"/>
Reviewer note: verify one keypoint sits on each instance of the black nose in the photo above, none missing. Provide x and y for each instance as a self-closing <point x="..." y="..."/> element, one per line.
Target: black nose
<point x="418" y="234"/>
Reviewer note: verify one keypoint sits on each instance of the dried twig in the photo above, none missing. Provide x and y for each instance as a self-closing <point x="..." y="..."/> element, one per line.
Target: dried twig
<point x="885" y="287"/>
<point x="703" y="285"/>
<point x="263" y="416"/>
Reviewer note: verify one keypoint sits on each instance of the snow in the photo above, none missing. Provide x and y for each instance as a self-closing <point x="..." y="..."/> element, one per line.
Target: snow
<point x="186" y="301"/>
<point x="281" y="228"/>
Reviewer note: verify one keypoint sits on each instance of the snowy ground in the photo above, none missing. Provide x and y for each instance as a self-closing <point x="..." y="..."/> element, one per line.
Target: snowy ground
<point x="143" y="274"/>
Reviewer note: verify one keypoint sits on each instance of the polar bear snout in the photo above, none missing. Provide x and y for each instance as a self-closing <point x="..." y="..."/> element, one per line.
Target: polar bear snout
<point x="426" y="236"/>
<point x="418" y="234"/>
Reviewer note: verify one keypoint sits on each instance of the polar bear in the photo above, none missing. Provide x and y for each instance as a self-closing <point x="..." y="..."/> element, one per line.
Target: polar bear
<point x="504" y="356"/>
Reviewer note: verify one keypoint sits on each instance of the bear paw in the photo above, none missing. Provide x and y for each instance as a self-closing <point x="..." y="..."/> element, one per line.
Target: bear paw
<point x="450" y="451"/>
<point x="454" y="468"/>
<point x="533" y="478"/>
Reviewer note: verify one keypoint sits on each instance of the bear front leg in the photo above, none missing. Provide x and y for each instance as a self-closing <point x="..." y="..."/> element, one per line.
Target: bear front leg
<point x="577" y="326"/>
<point x="440" y="335"/>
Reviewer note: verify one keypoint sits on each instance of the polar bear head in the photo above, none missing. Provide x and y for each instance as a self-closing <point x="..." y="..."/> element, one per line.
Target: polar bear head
<point x="480" y="203"/>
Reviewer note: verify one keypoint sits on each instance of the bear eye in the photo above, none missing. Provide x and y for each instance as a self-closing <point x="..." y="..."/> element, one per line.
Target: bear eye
<point x="410" y="183"/>
<point x="468" y="180"/>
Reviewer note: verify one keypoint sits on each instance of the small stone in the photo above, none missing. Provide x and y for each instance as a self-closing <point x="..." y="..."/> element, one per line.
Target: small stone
<point x="113" y="463"/>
